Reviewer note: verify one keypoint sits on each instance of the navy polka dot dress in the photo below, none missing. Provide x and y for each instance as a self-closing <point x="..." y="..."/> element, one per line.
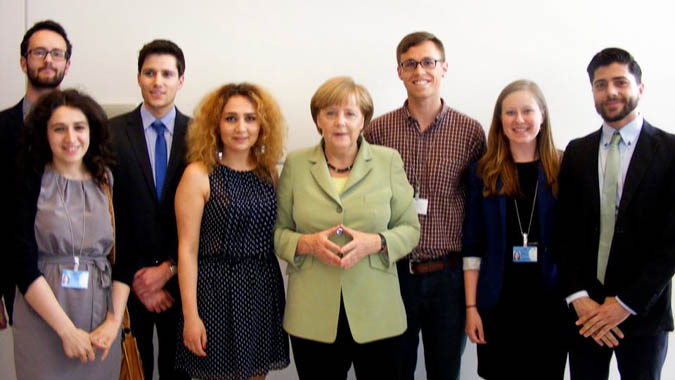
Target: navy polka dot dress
<point x="240" y="292"/>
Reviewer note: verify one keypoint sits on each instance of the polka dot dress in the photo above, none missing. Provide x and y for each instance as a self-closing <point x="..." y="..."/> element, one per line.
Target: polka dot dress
<point x="240" y="293"/>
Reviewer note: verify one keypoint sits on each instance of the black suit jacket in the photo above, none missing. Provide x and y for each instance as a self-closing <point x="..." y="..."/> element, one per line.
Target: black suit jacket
<point x="11" y="123"/>
<point x="642" y="257"/>
<point x="146" y="227"/>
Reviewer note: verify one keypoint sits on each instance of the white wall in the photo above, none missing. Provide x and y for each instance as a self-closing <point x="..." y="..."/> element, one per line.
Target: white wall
<point x="292" y="46"/>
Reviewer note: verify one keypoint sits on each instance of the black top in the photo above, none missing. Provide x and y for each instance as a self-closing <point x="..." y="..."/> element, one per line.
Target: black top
<point x="519" y="276"/>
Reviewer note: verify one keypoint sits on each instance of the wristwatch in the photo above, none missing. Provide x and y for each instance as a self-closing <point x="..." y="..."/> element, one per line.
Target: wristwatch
<point x="383" y="244"/>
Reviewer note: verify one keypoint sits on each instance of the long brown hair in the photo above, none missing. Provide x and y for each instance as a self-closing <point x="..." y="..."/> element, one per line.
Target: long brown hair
<point x="498" y="163"/>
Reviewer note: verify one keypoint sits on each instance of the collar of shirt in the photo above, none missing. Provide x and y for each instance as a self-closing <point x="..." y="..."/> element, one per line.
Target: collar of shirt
<point x="414" y="123"/>
<point x="168" y="119"/>
<point x="629" y="132"/>
<point x="26" y="106"/>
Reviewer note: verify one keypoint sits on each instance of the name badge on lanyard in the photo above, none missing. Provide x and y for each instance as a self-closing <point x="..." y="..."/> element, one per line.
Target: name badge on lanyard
<point x="525" y="253"/>
<point x="421" y="205"/>
<point x="75" y="278"/>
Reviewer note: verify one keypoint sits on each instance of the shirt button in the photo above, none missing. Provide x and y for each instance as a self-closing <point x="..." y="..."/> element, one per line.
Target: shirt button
<point x="339" y="209"/>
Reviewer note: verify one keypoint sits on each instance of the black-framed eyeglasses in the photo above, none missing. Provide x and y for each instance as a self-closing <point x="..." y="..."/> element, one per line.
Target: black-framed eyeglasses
<point x="41" y="53"/>
<point x="426" y="63"/>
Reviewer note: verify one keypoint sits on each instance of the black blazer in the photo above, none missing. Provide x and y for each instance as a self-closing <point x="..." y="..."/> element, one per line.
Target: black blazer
<point x="642" y="256"/>
<point x="146" y="227"/>
<point x="11" y="123"/>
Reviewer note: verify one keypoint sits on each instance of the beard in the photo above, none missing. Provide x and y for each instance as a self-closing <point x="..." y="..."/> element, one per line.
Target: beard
<point x="39" y="83"/>
<point x="629" y="105"/>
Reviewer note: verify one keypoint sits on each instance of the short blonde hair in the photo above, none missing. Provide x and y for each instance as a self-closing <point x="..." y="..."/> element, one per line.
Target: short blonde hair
<point x="337" y="91"/>
<point x="203" y="136"/>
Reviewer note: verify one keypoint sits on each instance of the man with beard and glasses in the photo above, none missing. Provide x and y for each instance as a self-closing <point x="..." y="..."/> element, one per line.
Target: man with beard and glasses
<point x="615" y="230"/>
<point x="45" y="58"/>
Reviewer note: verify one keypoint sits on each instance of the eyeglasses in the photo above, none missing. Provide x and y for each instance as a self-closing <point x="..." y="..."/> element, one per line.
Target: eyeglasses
<point x="41" y="53"/>
<point x="426" y="63"/>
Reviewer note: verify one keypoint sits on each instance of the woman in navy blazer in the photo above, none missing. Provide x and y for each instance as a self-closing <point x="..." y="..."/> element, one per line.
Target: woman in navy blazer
<point x="514" y="311"/>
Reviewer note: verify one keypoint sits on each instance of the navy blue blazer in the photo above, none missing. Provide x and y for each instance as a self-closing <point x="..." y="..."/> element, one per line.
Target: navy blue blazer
<point x="485" y="236"/>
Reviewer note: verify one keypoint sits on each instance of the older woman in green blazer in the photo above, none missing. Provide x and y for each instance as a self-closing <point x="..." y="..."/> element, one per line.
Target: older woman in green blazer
<point x="345" y="216"/>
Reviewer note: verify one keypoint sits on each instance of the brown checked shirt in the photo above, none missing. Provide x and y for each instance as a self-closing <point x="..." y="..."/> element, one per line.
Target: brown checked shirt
<point x="435" y="161"/>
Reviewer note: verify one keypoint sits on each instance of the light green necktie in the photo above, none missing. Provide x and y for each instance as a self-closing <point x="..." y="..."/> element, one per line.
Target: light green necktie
<point x="608" y="205"/>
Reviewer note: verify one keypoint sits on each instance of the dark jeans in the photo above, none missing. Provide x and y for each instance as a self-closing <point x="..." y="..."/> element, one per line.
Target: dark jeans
<point x="638" y="358"/>
<point x="142" y="326"/>
<point x="331" y="361"/>
<point x="434" y="304"/>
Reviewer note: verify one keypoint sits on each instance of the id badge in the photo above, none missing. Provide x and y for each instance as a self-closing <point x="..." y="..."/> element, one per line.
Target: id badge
<point x="525" y="254"/>
<point x="74" y="279"/>
<point x="421" y="205"/>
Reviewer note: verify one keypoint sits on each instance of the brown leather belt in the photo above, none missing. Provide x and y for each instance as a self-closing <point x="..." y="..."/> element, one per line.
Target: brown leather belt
<point x="450" y="261"/>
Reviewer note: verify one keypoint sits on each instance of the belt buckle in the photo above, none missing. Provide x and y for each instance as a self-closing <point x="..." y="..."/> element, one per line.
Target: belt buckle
<point x="410" y="267"/>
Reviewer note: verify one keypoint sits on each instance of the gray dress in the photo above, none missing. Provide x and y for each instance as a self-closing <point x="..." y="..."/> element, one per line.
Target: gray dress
<point x="38" y="351"/>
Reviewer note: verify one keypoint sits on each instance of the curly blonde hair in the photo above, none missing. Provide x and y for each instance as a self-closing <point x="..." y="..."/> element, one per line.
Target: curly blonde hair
<point x="203" y="137"/>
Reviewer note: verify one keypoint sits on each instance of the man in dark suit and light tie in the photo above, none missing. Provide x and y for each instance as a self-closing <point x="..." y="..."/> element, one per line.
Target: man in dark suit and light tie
<point x="45" y="58"/>
<point x="149" y="144"/>
<point x="616" y="230"/>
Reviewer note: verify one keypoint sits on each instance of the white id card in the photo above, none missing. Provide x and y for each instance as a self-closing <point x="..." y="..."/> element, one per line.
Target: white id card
<point x="526" y="254"/>
<point x="74" y="279"/>
<point x="421" y="205"/>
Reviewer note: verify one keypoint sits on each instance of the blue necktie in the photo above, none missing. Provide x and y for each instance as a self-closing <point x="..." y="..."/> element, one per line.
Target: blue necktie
<point x="160" y="156"/>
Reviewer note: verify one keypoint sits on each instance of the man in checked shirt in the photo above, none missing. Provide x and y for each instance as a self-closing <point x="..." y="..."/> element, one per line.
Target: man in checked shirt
<point x="437" y="144"/>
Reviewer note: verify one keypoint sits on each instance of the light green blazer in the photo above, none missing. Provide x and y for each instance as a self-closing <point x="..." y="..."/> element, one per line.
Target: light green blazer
<point x="377" y="198"/>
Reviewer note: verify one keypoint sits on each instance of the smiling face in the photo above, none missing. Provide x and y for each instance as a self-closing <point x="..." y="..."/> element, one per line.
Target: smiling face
<point x="341" y="125"/>
<point x="521" y="119"/>
<point x="422" y="83"/>
<point x="68" y="136"/>
<point x="159" y="82"/>
<point x="239" y="127"/>
<point x="616" y="94"/>
<point x="45" y="73"/>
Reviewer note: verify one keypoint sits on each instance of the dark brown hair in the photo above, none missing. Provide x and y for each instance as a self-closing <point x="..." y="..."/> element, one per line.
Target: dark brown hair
<point x="416" y="38"/>
<point x="36" y="152"/>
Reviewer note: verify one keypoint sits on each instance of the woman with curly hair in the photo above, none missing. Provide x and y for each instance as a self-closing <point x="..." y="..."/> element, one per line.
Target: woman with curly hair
<point x="70" y="303"/>
<point x="230" y="282"/>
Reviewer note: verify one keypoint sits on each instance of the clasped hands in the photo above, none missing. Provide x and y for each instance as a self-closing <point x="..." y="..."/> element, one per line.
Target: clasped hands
<point x="80" y="344"/>
<point x="600" y="321"/>
<point x="148" y="285"/>
<point x="318" y="245"/>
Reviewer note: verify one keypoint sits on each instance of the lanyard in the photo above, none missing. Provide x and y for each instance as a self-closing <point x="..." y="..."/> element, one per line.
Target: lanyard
<point x="76" y="259"/>
<point x="520" y="226"/>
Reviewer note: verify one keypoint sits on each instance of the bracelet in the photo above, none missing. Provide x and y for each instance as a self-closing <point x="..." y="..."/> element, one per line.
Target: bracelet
<point x="470" y="306"/>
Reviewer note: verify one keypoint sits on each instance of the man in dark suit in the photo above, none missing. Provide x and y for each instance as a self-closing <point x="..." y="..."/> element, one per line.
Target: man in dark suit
<point x="617" y="230"/>
<point x="149" y="144"/>
<point x="45" y="58"/>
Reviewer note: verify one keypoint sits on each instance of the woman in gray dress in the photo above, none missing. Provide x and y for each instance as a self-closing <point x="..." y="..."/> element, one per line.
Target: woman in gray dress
<point x="69" y="305"/>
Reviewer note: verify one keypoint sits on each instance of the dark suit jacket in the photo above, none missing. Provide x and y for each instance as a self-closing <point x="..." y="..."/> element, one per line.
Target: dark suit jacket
<point x="642" y="256"/>
<point x="146" y="227"/>
<point x="485" y="236"/>
<point x="11" y="123"/>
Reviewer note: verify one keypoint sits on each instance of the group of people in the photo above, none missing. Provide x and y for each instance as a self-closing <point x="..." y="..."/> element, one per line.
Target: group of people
<point x="408" y="223"/>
